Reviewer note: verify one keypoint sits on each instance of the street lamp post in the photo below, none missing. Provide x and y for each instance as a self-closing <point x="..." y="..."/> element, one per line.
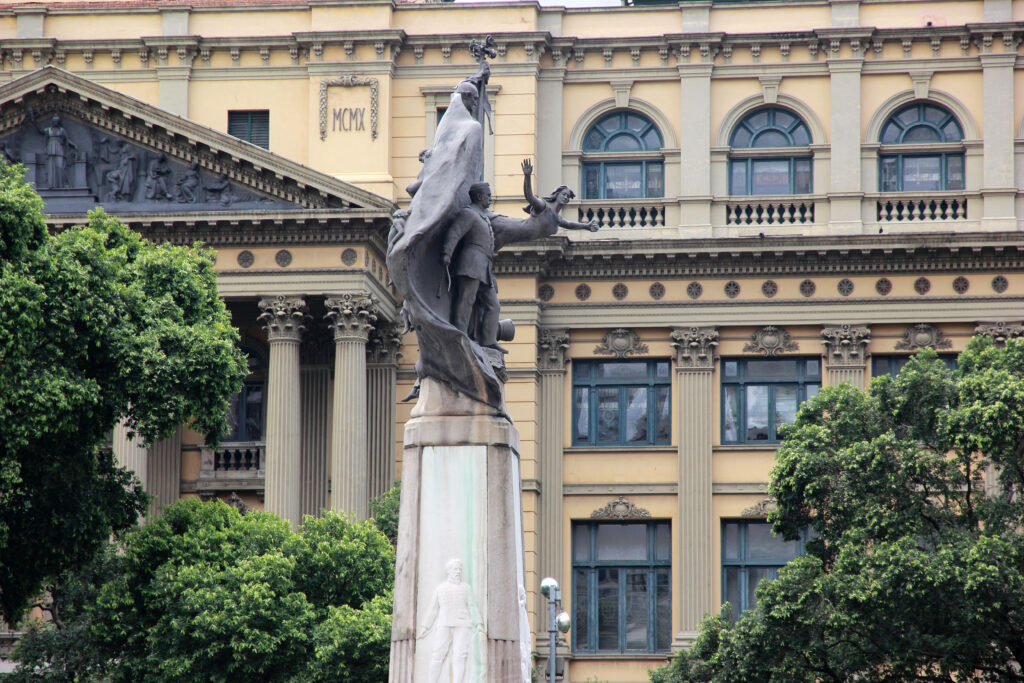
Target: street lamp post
<point x="558" y="621"/>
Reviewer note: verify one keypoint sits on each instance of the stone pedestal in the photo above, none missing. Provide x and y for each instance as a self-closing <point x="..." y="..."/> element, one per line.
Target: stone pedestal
<point x="460" y="605"/>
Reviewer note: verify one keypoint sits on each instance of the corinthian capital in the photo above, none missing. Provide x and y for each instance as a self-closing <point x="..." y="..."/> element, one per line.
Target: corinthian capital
<point x="695" y="347"/>
<point x="551" y="349"/>
<point x="385" y="344"/>
<point x="351" y="316"/>
<point x="845" y="343"/>
<point x="1000" y="331"/>
<point x="284" y="317"/>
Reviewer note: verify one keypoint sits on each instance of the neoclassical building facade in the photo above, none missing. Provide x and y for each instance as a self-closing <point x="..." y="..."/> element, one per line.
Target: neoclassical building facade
<point x="791" y="194"/>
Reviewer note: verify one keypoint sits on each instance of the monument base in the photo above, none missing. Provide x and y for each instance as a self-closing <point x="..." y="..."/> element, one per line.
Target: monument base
<point x="460" y="601"/>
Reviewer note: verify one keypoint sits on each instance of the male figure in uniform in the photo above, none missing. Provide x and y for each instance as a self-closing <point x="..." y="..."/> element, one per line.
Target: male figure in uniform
<point x="454" y="615"/>
<point x="475" y="287"/>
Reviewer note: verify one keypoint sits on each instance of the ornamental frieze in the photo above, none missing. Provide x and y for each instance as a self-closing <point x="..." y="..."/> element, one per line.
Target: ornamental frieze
<point x="620" y="509"/>
<point x="621" y="343"/>
<point x="770" y="341"/>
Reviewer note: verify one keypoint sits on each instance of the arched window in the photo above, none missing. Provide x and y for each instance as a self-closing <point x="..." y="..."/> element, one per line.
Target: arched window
<point x="246" y="411"/>
<point x="763" y="161"/>
<point x="912" y="169"/>
<point x="622" y="158"/>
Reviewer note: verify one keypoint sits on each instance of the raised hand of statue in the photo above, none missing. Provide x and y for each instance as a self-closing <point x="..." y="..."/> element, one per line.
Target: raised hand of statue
<point x="592" y="226"/>
<point x="527" y="167"/>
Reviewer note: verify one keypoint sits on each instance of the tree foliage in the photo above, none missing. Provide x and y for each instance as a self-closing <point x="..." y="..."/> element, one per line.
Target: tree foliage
<point x="384" y="510"/>
<point x="205" y="594"/>
<point x="96" y="325"/>
<point x="916" y="566"/>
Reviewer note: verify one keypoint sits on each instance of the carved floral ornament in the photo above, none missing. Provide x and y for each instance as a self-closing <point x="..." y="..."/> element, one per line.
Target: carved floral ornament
<point x="921" y="335"/>
<point x="695" y="347"/>
<point x="552" y="346"/>
<point x="621" y="343"/>
<point x="770" y="341"/>
<point x="620" y="509"/>
<point x="760" y="510"/>
<point x="351" y="315"/>
<point x="284" y="317"/>
<point x="1000" y="331"/>
<point x="845" y="343"/>
<point x="385" y="344"/>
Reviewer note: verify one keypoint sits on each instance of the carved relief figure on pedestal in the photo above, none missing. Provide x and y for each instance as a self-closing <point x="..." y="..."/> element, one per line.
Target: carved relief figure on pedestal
<point x="121" y="181"/>
<point x="156" y="178"/>
<point x="454" y="621"/>
<point x="186" y="189"/>
<point x="58" y="144"/>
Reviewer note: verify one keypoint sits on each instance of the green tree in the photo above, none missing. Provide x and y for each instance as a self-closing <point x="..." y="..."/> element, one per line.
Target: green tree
<point x="384" y="510"/>
<point x="916" y="567"/>
<point x="96" y="325"/>
<point x="205" y="594"/>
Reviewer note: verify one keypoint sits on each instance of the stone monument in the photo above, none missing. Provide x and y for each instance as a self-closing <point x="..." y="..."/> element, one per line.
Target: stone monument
<point x="460" y="613"/>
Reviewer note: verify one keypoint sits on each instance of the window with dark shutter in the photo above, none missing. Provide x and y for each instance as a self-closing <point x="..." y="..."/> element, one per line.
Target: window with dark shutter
<point x="250" y="125"/>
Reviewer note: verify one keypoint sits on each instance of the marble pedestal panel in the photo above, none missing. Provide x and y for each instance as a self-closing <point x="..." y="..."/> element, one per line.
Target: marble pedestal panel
<point x="460" y="606"/>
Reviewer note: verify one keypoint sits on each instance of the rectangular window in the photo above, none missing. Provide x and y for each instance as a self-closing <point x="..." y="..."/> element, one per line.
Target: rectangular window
<point x="621" y="587"/>
<point x="750" y="553"/>
<point x="623" y="180"/>
<point x="759" y="395"/>
<point x="619" y="403"/>
<point x="921" y="172"/>
<point x="245" y="414"/>
<point x="891" y="365"/>
<point x="440" y="114"/>
<point x="250" y="125"/>
<point x="776" y="175"/>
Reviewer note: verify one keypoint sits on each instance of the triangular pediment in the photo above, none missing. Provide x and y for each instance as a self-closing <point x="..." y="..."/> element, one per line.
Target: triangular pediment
<point x="85" y="145"/>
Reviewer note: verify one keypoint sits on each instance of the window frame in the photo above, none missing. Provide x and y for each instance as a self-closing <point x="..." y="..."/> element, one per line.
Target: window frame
<point x="802" y="381"/>
<point x="601" y="158"/>
<point x="946" y="147"/>
<point x="256" y="380"/>
<point x="584" y="375"/>
<point x="249" y="125"/>
<point x="749" y="153"/>
<point x="590" y="567"/>
<point x="896" y="362"/>
<point x="744" y="564"/>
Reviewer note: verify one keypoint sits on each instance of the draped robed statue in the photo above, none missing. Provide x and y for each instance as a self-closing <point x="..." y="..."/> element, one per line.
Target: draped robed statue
<point x="441" y="249"/>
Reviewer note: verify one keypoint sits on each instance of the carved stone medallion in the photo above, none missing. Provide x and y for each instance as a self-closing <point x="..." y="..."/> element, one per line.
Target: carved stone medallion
<point x="922" y="335"/>
<point x="621" y="343"/>
<point x="760" y="510"/>
<point x="620" y="509"/>
<point x="771" y="341"/>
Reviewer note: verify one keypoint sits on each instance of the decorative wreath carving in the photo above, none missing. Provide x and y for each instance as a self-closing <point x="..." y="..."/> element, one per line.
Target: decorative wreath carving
<point x="349" y="81"/>
<point x="620" y="509"/>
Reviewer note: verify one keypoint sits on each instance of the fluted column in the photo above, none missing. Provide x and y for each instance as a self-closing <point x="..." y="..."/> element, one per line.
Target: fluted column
<point x="130" y="453"/>
<point x="552" y="346"/>
<point x="163" y="479"/>
<point x="317" y="355"/>
<point x="382" y="357"/>
<point x="284" y="318"/>
<point x="844" y="356"/>
<point x="351" y="318"/>
<point x="695" y="347"/>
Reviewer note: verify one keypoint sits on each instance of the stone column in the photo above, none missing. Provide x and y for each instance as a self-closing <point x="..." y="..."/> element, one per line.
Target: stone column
<point x="695" y="362"/>
<point x="695" y="174"/>
<point x="317" y="355"/>
<point x="999" y="187"/>
<point x="552" y="346"/>
<point x="351" y="318"/>
<point x="284" y="318"/>
<point x="164" y="476"/>
<point x="131" y="454"/>
<point x="845" y="190"/>
<point x="381" y="393"/>
<point x="844" y="353"/>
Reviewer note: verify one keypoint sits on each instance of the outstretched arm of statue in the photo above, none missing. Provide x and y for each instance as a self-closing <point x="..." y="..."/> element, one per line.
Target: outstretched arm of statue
<point x="592" y="226"/>
<point x="536" y="203"/>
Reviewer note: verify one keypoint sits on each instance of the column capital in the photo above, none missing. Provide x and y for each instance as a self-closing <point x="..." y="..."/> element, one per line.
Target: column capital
<point x="552" y="349"/>
<point x="385" y="344"/>
<point x="695" y="347"/>
<point x="845" y="344"/>
<point x="351" y="315"/>
<point x="284" y="317"/>
<point x="1000" y="331"/>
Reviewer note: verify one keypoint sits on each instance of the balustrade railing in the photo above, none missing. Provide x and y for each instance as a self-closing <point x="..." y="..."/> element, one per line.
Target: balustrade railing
<point x="910" y="209"/>
<point x="769" y="212"/>
<point x="230" y="460"/>
<point x="626" y="214"/>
